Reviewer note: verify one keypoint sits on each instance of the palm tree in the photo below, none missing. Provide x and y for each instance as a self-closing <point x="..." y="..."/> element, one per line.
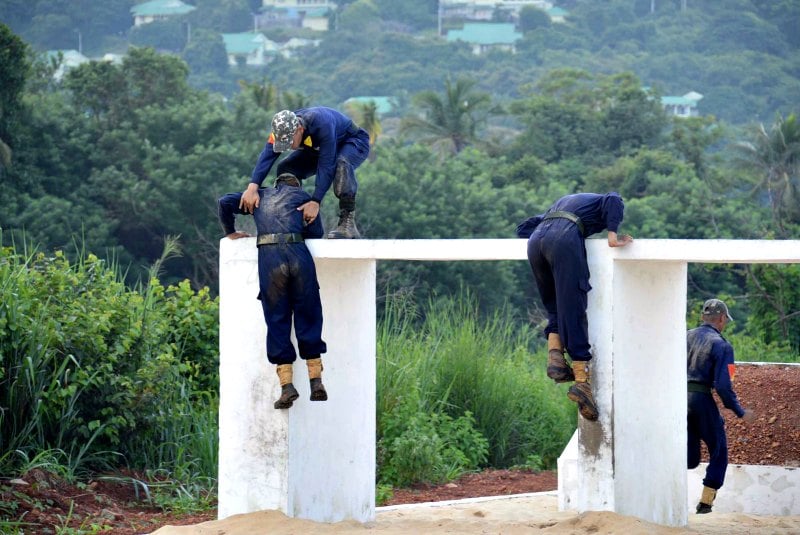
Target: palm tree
<point x="265" y="96"/>
<point x="452" y="121"/>
<point x="775" y="154"/>
<point x="294" y="100"/>
<point x="365" y="115"/>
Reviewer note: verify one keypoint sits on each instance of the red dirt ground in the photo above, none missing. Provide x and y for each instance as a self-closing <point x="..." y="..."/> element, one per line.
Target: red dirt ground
<point x="773" y="438"/>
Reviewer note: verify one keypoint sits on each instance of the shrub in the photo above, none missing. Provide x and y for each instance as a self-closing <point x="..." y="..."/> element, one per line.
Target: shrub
<point x="90" y="366"/>
<point x="452" y="377"/>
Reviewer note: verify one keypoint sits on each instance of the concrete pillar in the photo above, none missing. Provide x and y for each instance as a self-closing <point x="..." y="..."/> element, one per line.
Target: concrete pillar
<point x="315" y="460"/>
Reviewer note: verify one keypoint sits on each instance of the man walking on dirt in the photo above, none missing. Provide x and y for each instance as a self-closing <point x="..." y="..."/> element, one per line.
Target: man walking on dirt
<point x="710" y="365"/>
<point x="325" y="143"/>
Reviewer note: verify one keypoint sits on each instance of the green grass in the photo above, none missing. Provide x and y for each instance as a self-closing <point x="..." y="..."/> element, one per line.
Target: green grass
<point x="456" y="363"/>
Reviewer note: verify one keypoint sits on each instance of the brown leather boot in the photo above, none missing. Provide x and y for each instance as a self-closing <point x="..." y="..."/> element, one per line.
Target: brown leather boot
<point x="318" y="392"/>
<point x="288" y="391"/>
<point x="581" y="391"/>
<point x="706" y="500"/>
<point x="557" y="368"/>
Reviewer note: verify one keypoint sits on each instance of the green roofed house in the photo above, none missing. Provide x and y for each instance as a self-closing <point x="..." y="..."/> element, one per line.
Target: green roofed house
<point x="68" y="59"/>
<point x="157" y="10"/>
<point x="249" y="48"/>
<point x="311" y="14"/>
<point x="484" y="36"/>
<point x="557" y="14"/>
<point x="685" y="106"/>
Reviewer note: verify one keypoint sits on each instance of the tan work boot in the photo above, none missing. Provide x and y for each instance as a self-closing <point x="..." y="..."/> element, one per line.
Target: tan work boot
<point x="557" y="368"/>
<point x="288" y="391"/>
<point x="318" y="392"/>
<point x="706" y="500"/>
<point x="581" y="391"/>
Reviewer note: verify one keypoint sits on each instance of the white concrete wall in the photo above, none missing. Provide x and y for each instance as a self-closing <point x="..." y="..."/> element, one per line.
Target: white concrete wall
<point x="649" y="389"/>
<point x="751" y="489"/>
<point x="317" y="461"/>
<point x="748" y="489"/>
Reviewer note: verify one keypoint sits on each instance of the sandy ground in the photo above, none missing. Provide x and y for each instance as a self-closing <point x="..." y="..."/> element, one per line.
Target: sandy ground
<point x="514" y="515"/>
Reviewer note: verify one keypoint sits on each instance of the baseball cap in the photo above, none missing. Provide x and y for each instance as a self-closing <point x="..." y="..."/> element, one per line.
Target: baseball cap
<point x="284" y="124"/>
<point x="715" y="307"/>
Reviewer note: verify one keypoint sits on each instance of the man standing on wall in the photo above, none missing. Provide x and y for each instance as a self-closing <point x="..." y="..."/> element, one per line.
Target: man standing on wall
<point x="710" y="365"/>
<point x="325" y="143"/>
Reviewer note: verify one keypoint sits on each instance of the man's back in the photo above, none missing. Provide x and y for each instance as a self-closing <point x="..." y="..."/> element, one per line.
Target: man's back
<point x="277" y="212"/>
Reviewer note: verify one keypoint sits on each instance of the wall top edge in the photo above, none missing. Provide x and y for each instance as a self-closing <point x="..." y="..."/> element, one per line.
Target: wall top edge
<point x="692" y="251"/>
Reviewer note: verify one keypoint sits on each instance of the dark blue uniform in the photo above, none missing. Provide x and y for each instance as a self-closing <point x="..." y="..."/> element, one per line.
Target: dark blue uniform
<point x="288" y="286"/>
<point x="709" y="364"/>
<point x="557" y="254"/>
<point x="329" y="137"/>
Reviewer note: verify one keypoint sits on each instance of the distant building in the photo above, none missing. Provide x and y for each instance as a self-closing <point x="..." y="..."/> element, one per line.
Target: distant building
<point x="557" y="14"/>
<point x="311" y="14"/>
<point x="685" y="106"/>
<point x="114" y="59"/>
<point x="69" y="60"/>
<point x="158" y="10"/>
<point x="290" y="47"/>
<point x="249" y="48"/>
<point x="486" y="9"/>
<point x="485" y="36"/>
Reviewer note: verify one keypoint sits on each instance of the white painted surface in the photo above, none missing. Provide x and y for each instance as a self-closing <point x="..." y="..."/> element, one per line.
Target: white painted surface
<point x="253" y="460"/>
<point x="699" y="251"/>
<point x="751" y="489"/>
<point x="748" y="489"/>
<point x="317" y="461"/>
<point x="649" y="390"/>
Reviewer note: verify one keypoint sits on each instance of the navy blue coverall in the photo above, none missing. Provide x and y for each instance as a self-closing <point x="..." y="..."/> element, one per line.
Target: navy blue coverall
<point x="288" y="286"/>
<point x="710" y="364"/>
<point x="329" y="138"/>
<point x="557" y="255"/>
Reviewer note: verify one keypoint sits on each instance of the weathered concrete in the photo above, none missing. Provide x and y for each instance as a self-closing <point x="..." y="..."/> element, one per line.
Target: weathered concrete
<point x="317" y="461"/>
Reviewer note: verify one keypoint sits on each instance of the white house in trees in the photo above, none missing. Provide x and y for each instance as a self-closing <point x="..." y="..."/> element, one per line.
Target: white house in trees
<point x="157" y="10"/>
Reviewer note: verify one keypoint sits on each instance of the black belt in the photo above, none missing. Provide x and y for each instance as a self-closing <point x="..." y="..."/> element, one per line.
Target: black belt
<point x="558" y="214"/>
<point x="698" y="387"/>
<point x="273" y="239"/>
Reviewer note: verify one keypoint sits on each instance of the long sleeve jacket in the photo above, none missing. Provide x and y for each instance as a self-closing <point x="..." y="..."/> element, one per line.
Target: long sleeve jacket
<point x="276" y="213"/>
<point x="596" y="211"/>
<point x="710" y="362"/>
<point x="325" y="129"/>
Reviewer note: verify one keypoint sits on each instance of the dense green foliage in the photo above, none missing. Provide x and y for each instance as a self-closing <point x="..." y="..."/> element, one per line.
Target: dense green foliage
<point x="100" y="168"/>
<point x="458" y="392"/>
<point x="104" y="376"/>
<point x="97" y="376"/>
<point x="122" y="155"/>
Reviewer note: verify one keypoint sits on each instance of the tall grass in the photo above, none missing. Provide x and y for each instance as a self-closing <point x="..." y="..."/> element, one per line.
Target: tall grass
<point x="457" y="363"/>
<point x="95" y="375"/>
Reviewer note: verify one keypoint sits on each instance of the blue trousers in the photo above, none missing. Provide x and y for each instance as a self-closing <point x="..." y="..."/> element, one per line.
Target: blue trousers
<point x="705" y="423"/>
<point x="349" y="155"/>
<point x="557" y="255"/>
<point x="288" y="290"/>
